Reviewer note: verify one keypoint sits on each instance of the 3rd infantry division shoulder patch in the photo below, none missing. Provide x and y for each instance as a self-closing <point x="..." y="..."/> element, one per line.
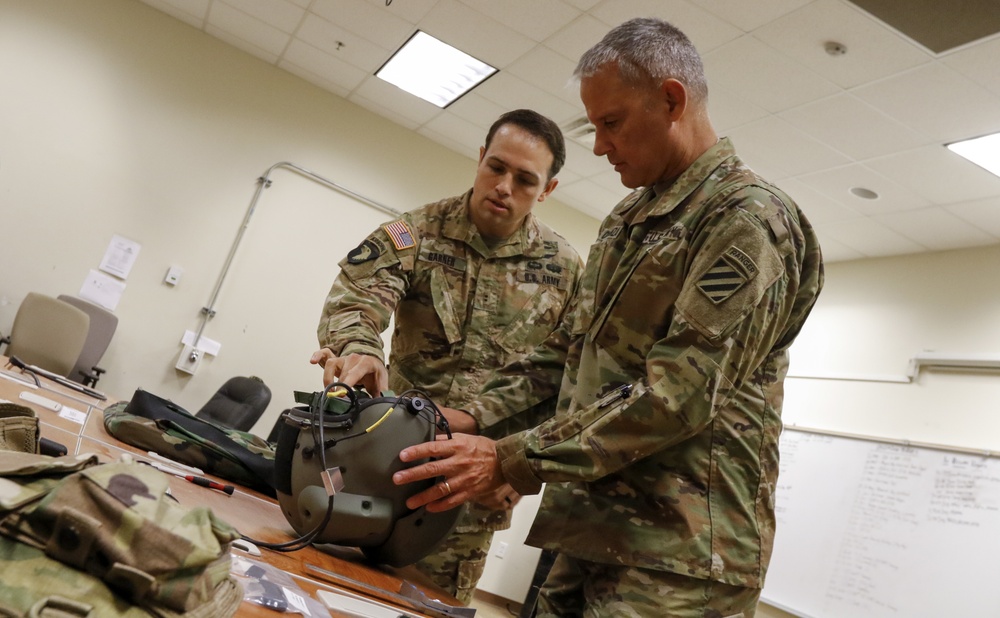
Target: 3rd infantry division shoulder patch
<point x="730" y="272"/>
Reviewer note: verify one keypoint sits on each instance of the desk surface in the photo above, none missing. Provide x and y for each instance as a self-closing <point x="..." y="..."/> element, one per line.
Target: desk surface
<point x="78" y="423"/>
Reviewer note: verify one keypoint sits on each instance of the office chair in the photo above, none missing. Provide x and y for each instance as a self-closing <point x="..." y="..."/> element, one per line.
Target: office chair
<point x="238" y="403"/>
<point x="102" y="327"/>
<point x="48" y="333"/>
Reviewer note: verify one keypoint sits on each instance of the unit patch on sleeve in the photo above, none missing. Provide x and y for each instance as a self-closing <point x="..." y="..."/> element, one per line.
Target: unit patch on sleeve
<point x="730" y="272"/>
<point x="368" y="250"/>
<point x="400" y="234"/>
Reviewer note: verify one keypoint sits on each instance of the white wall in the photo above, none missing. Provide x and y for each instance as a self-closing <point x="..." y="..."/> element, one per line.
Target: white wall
<point x="872" y="317"/>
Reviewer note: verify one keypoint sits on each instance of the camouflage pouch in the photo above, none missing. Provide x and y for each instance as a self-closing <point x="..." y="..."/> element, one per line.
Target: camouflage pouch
<point x="155" y="424"/>
<point x="83" y="539"/>
<point x="18" y="428"/>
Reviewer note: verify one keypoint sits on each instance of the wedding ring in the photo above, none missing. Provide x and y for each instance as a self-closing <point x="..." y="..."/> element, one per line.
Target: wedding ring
<point x="447" y="488"/>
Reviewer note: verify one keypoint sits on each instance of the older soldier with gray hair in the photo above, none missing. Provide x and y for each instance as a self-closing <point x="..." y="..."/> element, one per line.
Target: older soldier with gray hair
<point x="474" y="281"/>
<point x="662" y="458"/>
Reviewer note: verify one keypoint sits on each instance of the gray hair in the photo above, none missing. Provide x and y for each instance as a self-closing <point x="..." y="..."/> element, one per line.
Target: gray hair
<point x="647" y="51"/>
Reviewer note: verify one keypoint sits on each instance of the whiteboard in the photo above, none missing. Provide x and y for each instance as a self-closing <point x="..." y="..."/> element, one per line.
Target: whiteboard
<point x="870" y="529"/>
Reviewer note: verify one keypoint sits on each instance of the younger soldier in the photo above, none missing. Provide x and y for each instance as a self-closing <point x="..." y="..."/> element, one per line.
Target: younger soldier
<point x="474" y="282"/>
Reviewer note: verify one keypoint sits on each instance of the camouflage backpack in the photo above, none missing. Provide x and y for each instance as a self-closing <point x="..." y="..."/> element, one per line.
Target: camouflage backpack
<point x="155" y="424"/>
<point x="78" y="538"/>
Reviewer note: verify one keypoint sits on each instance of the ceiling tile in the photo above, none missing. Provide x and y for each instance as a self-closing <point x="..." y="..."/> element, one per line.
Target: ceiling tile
<point x="267" y="56"/>
<point x="577" y="37"/>
<point x="853" y="127"/>
<point x="281" y="14"/>
<point x="342" y="44"/>
<point x="936" y="100"/>
<point x="410" y="10"/>
<point x="705" y="30"/>
<point x="773" y="142"/>
<point x="868" y="237"/>
<point x="393" y="99"/>
<point x="837" y="183"/>
<point x="584" y="161"/>
<point x="979" y="63"/>
<point x="478" y="110"/>
<point x="247" y="28"/>
<point x="375" y="22"/>
<point x="589" y="197"/>
<point x="324" y="65"/>
<point x="834" y="251"/>
<point x="459" y="131"/>
<point x="385" y="112"/>
<point x="512" y="93"/>
<point x="537" y="20"/>
<point x="873" y="51"/>
<point x="192" y="12"/>
<point x="583" y="5"/>
<point x="749" y="16"/>
<point x="984" y="214"/>
<point x="936" y="228"/>
<point x="938" y="174"/>
<point x="818" y="207"/>
<point x="764" y="76"/>
<point x="476" y="34"/>
<point x="547" y="70"/>
<point x="729" y="110"/>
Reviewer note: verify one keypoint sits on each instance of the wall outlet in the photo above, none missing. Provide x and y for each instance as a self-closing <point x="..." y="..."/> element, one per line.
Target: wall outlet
<point x="190" y="359"/>
<point x="501" y="549"/>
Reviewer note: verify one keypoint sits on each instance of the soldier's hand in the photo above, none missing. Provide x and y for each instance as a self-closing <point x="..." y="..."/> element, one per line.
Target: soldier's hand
<point x="352" y="370"/>
<point x="469" y="465"/>
<point x="459" y="421"/>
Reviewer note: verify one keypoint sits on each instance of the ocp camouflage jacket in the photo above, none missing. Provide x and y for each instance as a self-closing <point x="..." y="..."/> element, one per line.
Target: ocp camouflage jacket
<point x="461" y="310"/>
<point x="663" y="453"/>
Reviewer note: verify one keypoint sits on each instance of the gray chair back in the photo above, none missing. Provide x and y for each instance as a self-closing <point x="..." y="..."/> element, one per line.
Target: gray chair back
<point x="238" y="403"/>
<point x="103" y="324"/>
<point x="48" y="333"/>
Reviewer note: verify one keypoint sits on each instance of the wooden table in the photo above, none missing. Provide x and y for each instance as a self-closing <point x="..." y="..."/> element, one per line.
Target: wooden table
<point x="78" y="424"/>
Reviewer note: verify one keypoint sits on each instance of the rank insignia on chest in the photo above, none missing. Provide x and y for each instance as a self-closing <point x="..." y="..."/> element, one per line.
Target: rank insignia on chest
<point x="400" y="234"/>
<point x="368" y="250"/>
<point x="730" y="272"/>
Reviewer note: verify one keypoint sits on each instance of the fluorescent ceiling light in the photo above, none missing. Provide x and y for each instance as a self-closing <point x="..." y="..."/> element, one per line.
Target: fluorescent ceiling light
<point x="434" y="71"/>
<point x="983" y="151"/>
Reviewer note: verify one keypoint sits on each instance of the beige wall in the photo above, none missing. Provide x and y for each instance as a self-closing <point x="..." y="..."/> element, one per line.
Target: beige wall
<point x="117" y="119"/>
<point x="157" y="132"/>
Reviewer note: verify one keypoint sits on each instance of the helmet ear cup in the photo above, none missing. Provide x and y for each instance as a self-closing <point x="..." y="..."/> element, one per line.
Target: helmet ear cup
<point x="369" y="511"/>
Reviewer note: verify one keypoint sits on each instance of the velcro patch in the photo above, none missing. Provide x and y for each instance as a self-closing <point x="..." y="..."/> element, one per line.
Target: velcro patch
<point x="730" y="272"/>
<point x="368" y="250"/>
<point x="400" y="234"/>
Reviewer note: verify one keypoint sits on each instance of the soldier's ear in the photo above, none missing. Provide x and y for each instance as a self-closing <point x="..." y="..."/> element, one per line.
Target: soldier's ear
<point x="549" y="188"/>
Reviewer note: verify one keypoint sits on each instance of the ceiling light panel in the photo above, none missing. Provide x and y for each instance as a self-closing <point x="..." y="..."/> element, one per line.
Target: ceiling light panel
<point x="433" y="70"/>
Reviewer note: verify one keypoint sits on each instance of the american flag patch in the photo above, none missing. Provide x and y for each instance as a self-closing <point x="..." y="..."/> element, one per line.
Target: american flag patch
<point x="729" y="273"/>
<point x="400" y="234"/>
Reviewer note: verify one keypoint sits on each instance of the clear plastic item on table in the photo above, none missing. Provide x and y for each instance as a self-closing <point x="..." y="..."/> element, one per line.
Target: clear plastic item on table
<point x="274" y="589"/>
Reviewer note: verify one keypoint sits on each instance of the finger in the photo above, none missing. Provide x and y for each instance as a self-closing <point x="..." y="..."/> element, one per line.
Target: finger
<point x="429" y="470"/>
<point x="441" y="447"/>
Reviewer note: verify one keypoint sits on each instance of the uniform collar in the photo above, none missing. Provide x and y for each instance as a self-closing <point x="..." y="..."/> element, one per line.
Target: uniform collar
<point x="527" y="240"/>
<point x="671" y="193"/>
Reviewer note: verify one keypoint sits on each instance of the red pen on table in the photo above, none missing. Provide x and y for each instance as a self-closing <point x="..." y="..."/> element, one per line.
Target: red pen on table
<point x="204" y="482"/>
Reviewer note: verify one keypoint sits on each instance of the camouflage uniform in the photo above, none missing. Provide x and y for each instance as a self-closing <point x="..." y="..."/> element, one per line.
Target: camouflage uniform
<point x="663" y="453"/>
<point x="461" y="310"/>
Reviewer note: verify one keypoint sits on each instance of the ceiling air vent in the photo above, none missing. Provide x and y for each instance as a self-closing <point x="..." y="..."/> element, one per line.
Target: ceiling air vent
<point x="580" y="131"/>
